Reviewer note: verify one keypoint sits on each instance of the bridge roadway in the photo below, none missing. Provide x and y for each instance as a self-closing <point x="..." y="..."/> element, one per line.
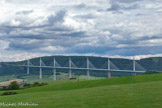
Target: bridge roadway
<point x="74" y="68"/>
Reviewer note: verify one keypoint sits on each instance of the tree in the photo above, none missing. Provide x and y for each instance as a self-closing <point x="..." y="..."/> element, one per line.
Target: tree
<point x="14" y="86"/>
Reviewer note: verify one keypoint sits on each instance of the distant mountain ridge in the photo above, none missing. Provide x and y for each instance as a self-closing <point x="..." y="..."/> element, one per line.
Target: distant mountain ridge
<point x="153" y="63"/>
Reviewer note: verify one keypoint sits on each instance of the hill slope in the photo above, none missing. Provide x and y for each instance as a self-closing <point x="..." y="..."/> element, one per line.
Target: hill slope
<point x="128" y="92"/>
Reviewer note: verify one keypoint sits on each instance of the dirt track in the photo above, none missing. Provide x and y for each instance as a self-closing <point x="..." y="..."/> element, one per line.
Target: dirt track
<point x="6" y="83"/>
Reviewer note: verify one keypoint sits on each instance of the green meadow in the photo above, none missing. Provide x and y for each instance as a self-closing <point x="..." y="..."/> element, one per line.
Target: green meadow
<point x="142" y="91"/>
<point x="46" y="78"/>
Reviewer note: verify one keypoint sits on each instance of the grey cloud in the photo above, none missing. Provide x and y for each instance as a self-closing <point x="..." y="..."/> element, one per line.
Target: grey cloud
<point x="24" y="1"/>
<point x="30" y="43"/>
<point x="24" y="12"/>
<point x="54" y="23"/>
<point x="125" y="51"/>
<point x="137" y="41"/>
<point x="74" y="34"/>
<point x="85" y="49"/>
<point x="80" y="6"/>
<point x="44" y="35"/>
<point x="83" y="6"/>
<point x="58" y="18"/>
<point x="32" y="36"/>
<point x="52" y="33"/>
<point x="23" y="45"/>
<point x="125" y="1"/>
<point x="86" y="16"/>
<point x="128" y="40"/>
<point x="137" y="51"/>
<point x="118" y="7"/>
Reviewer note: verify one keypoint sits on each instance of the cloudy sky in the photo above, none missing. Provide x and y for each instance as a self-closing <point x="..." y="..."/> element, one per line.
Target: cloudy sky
<point x="30" y="28"/>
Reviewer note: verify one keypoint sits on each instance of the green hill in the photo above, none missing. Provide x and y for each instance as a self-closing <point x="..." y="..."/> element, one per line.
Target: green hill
<point x="143" y="91"/>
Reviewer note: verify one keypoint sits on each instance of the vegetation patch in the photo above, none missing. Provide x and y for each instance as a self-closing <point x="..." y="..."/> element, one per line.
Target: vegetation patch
<point x="35" y="84"/>
<point x="14" y="86"/>
<point x="152" y="72"/>
<point x="8" y="93"/>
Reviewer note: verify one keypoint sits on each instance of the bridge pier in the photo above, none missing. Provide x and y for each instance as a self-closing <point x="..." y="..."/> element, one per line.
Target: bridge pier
<point x="54" y="69"/>
<point x="40" y="73"/>
<point x="40" y="70"/>
<point x="134" y="73"/>
<point x="109" y="74"/>
<point x="27" y="66"/>
<point x="54" y="74"/>
<point x="70" y="75"/>
<point x="88" y="75"/>
<point x="28" y="70"/>
<point x="134" y="67"/>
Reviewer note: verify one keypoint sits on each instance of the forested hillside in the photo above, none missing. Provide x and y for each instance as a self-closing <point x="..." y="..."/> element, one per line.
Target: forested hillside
<point x="9" y="68"/>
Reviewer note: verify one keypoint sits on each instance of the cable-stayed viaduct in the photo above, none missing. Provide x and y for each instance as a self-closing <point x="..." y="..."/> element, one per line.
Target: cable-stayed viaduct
<point x="85" y="63"/>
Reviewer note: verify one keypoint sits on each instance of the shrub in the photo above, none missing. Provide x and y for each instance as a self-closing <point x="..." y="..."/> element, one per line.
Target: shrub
<point x="36" y="84"/>
<point x="73" y="78"/>
<point x="27" y="85"/>
<point x="13" y="86"/>
<point x="8" y="93"/>
<point x="39" y="84"/>
<point x="4" y="88"/>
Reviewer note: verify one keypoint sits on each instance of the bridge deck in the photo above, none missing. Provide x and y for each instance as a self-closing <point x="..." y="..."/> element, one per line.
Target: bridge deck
<point x="74" y="68"/>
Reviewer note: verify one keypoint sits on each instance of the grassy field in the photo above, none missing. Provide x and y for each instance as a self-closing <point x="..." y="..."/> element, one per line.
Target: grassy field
<point x="46" y="78"/>
<point x="143" y="91"/>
